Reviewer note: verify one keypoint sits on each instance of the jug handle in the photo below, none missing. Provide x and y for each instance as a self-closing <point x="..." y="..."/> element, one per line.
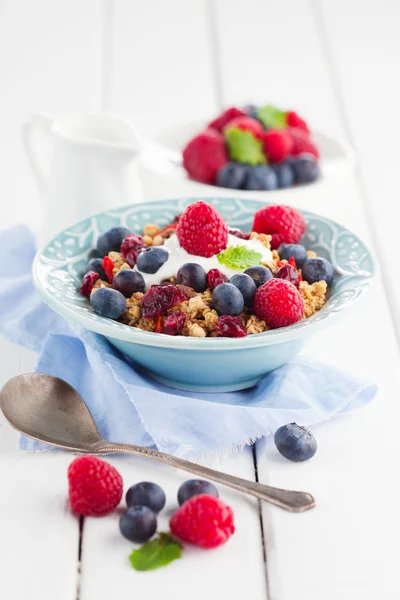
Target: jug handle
<point x="39" y="125"/>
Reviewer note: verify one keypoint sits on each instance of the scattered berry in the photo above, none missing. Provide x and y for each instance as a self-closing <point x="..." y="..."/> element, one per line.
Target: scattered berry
<point x="111" y="240"/>
<point x="130" y="248"/>
<point x="277" y="144"/>
<point x="228" y="115"/>
<point x="261" y="177"/>
<point x="159" y="298"/>
<point x="108" y="267"/>
<point x="243" y="235"/>
<point x="204" y="156"/>
<point x="227" y="299"/>
<point x="285" y="224"/>
<point x="174" y="323"/>
<point x="295" y="443"/>
<point x="214" y="278"/>
<point x="204" y="521"/>
<point x="318" y="269"/>
<point x="246" y="285"/>
<point x="193" y="275"/>
<point x="305" y="168"/>
<point x="128" y="282"/>
<point x="107" y="302"/>
<point x="298" y="252"/>
<point x="194" y="487"/>
<point x="150" y="260"/>
<point x="278" y="303"/>
<point x="228" y="326"/>
<point x="148" y="494"/>
<point x="301" y="143"/>
<point x="293" y="120"/>
<point x="259" y="274"/>
<point x="138" y="524"/>
<point x="95" y="486"/>
<point x="245" y="124"/>
<point x="96" y="265"/>
<point x="232" y="175"/>
<point x="201" y="230"/>
<point x="88" y="281"/>
<point x="289" y="273"/>
<point x="285" y="174"/>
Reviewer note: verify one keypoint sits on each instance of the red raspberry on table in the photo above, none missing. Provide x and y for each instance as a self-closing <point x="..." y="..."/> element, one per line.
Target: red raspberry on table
<point x="279" y="303"/>
<point x="277" y="144"/>
<point x="88" y="281"/>
<point x="229" y="326"/>
<point x="95" y="486"/>
<point x="246" y="124"/>
<point x="214" y="278"/>
<point x="228" y="114"/>
<point x="293" y="120"/>
<point x="201" y="230"/>
<point x="204" y="156"/>
<point x="301" y="144"/>
<point x="204" y="521"/>
<point x="283" y="223"/>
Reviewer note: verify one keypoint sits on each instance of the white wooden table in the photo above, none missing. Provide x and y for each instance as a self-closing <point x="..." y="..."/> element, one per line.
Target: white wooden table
<point x="161" y="63"/>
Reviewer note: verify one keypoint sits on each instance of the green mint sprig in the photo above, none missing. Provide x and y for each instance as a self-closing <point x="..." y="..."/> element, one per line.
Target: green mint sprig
<point x="243" y="147"/>
<point x="239" y="257"/>
<point x="157" y="553"/>
<point x="272" y="117"/>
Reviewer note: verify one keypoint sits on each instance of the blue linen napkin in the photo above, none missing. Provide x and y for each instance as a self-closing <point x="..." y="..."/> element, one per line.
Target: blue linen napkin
<point x="129" y="407"/>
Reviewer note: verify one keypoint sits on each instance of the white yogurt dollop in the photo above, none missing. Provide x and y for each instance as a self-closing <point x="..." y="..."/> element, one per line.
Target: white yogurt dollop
<point x="178" y="257"/>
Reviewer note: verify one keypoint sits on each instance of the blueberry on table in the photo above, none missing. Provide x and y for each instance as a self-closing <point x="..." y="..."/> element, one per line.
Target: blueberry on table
<point x="150" y="260"/>
<point x="295" y="443"/>
<point x="285" y="174"/>
<point x="194" y="487"/>
<point x="232" y="175"/>
<point x="192" y="275"/>
<point x="227" y="299"/>
<point x="306" y="168"/>
<point x="128" y="282"/>
<point x="246" y="285"/>
<point x="318" y="269"/>
<point x="111" y="240"/>
<point x="259" y="274"/>
<point x="299" y="253"/>
<point x="107" y="302"/>
<point x="147" y="494"/>
<point x="138" y="524"/>
<point x="96" y="265"/>
<point x="261" y="177"/>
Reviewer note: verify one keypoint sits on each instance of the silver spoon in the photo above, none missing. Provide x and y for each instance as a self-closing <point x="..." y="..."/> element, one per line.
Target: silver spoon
<point x="49" y="410"/>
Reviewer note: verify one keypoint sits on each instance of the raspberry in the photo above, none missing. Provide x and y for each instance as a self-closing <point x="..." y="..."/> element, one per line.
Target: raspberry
<point x="204" y="155"/>
<point x="283" y="223"/>
<point x="130" y="248"/>
<point x="204" y="521"/>
<point x="301" y="143"/>
<point x="88" y="282"/>
<point x="214" y="278"/>
<point x="95" y="486"/>
<point x="278" y="303"/>
<point x="290" y="273"/>
<point x="293" y="120"/>
<point x="201" y="230"/>
<point x="173" y="323"/>
<point x="108" y="267"/>
<point x="277" y="144"/>
<point x="228" y="114"/>
<point x="228" y="326"/>
<point x="246" y="124"/>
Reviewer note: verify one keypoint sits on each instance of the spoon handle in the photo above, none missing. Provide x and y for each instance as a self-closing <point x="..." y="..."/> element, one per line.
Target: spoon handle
<point x="290" y="500"/>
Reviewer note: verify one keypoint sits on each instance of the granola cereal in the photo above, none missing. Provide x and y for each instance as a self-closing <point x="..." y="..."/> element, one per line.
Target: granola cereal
<point x="314" y="296"/>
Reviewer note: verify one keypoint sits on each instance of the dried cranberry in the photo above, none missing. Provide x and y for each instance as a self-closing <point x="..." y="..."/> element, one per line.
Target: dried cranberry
<point x="131" y="256"/>
<point x="132" y="242"/>
<point x="289" y="273"/>
<point x="214" y="278"/>
<point x="88" y="282"/>
<point x="108" y="267"/>
<point x="177" y="217"/>
<point x="174" y="323"/>
<point x="168" y="230"/>
<point x="243" y="235"/>
<point x="228" y="326"/>
<point x="159" y="298"/>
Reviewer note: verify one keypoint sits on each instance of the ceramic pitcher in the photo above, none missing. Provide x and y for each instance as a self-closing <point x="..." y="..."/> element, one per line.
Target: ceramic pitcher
<point x="92" y="167"/>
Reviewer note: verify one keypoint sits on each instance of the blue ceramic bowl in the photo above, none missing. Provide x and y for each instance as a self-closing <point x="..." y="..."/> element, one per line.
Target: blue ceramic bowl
<point x="207" y="364"/>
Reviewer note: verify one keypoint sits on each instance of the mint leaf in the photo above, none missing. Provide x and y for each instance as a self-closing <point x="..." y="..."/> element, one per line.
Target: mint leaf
<point x="239" y="257"/>
<point x="243" y="147"/>
<point x="272" y="117"/>
<point x="157" y="553"/>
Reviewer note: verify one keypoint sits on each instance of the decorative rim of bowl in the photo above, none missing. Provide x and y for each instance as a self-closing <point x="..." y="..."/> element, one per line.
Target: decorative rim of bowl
<point x="355" y="276"/>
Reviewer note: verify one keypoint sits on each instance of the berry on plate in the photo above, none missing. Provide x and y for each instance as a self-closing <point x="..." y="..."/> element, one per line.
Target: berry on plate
<point x="228" y="115"/>
<point x="204" y="521"/>
<point x="227" y="299"/>
<point x="285" y="174"/>
<point x="295" y="443"/>
<point x="130" y="248"/>
<point x="245" y="124"/>
<point x="88" y="281"/>
<point x="283" y="223"/>
<point x="289" y="273"/>
<point x="146" y="493"/>
<point x="96" y="265"/>
<point x="301" y="143"/>
<point x="107" y="302"/>
<point x="159" y="298"/>
<point x="305" y="168"/>
<point x="174" y="323"/>
<point x="111" y="240"/>
<point x="230" y="326"/>
<point x="279" y="303"/>
<point x="259" y="274"/>
<point x="233" y="175"/>
<point x="204" y="156"/>
<point x="150" y="260"/>
<point x="194" y="487"/>
<point x="296" y="251"/>
<point x="293" y="120"/>
<point x="138" y="524"/>
<point x="318" y="269"/>
<point x="214" y="278"/>
<point x="128" y="282"/>
<point x="277" y="144"/>
<point x="95" y="486"/>
<point x="246" y="285"/>
<point x="201" y="230"/>
<point x="193" y="275"/>
<point x="261" y="177"/>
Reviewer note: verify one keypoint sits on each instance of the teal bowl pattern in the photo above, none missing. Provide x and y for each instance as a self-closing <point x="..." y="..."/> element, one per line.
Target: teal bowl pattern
<point x="206" y="364"/>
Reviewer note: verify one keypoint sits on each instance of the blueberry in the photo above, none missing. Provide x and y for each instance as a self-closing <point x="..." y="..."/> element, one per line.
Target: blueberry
<point x="193" y="275"/>
<point x="146" y="494"/>
<point x="138" y="524"/>
<point x="227" y="299"/>
<point x="150" y="260"/>
<point x="96" y="265"/>
<point x="306" y="168"/>
<point x="245" y="284"/>
<point x="232" y="175"/>
<point x="299" y="253"/>
<point x="260" y="274"/>
<point x="261" y="177"/>
<point x="111" y="240"/>
<point x="285" y="174"/>
<point x="194" y="487"/>
<point x="107" y="302"/>
<point x="318" y="269"/>
<point x="251" y="110"/>
<point x="128" y="282"/>
<point x="295" y="443"/>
